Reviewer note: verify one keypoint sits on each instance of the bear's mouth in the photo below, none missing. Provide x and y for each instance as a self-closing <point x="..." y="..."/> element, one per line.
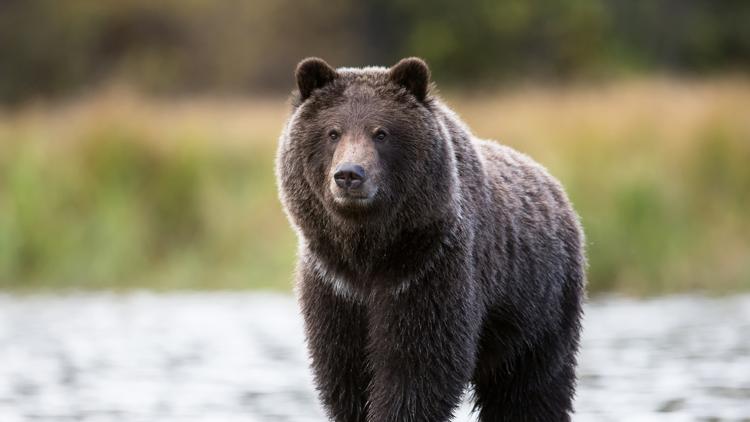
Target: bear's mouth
<point x="354" y="199"/>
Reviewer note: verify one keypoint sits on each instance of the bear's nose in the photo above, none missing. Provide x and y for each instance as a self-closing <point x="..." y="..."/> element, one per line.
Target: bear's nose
<point x="349" y="176"/>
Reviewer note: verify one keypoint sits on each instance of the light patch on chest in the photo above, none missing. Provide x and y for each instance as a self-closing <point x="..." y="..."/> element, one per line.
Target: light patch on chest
<point x="341" y="286"/>
<point x="344" y="288"/>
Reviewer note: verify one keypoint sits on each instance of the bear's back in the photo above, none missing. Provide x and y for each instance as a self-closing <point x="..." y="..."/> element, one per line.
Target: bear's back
<point x="521" y="183"/>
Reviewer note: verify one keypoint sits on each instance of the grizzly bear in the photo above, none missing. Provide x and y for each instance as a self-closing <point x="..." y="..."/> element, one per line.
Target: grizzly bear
<point x="429" y="260"/>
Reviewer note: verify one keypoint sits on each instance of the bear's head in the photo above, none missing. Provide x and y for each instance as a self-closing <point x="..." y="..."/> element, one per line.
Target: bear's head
<point x="364" y="144"/>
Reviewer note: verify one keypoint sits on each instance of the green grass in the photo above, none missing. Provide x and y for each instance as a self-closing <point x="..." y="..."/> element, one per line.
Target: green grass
<point x="668" y="223"/>
<point x="116" y="192"/>
<point x="119" y="209"/>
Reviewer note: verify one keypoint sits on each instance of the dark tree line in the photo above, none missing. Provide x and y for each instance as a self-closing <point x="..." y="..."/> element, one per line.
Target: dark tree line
<point x="51" y="47"/>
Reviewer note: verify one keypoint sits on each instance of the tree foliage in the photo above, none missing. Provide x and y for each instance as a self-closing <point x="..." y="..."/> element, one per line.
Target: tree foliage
<point x="50" y="47"/>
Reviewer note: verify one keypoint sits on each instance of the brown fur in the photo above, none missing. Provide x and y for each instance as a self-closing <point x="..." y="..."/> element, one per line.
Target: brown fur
<point x="457" y="262"/>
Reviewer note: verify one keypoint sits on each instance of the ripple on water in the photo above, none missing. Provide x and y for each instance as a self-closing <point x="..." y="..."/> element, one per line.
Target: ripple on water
<point x="241" y="356"/>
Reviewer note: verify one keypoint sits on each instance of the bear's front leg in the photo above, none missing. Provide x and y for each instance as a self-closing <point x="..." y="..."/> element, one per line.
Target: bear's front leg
<point x="422" y="349"/>
<point x="336" y="330"/>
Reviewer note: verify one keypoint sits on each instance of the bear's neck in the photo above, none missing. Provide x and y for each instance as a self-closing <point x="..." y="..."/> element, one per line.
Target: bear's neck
<point x="382" y="253"/>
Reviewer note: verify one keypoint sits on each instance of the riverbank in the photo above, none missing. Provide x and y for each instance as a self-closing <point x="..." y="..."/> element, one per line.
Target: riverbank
<point x="117" y="191"/>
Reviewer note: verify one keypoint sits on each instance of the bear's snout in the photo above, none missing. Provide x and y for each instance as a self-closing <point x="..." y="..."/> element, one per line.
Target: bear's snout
<point x="349" y="176"/>
<point x="353" y="174"/>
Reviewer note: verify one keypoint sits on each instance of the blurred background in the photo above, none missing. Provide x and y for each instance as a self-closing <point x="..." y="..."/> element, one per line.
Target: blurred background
<point x="137" y="141"/>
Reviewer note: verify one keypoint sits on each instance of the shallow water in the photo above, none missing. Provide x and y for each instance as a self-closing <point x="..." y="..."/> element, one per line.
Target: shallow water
<point x="240" y="357"/>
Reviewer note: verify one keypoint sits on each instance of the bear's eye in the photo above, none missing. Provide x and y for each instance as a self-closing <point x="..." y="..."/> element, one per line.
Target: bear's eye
<point x="333" y="135"/>
<point x="380" y="135"/>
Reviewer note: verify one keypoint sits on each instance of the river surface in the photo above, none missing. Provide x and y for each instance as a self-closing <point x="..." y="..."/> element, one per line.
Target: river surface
<point x="241" y="357"/>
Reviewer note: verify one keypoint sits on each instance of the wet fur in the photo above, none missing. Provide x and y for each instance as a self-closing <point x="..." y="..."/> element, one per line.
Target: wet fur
<point x="467" y="270"/>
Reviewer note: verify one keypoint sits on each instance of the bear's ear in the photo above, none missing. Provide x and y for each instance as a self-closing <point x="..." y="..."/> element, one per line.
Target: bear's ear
<point x="413" y="74"/>
<point x="313" y="73"/>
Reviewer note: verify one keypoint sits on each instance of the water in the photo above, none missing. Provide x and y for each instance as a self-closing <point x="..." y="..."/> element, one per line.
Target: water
<point x="240" y="357"/>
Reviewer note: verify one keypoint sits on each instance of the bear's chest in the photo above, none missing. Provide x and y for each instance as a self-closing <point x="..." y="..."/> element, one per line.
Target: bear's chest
<point x="356" y="286"/>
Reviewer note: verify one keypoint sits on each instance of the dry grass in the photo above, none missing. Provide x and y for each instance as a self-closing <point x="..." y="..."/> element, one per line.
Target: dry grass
<point x="115" y="190"/>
